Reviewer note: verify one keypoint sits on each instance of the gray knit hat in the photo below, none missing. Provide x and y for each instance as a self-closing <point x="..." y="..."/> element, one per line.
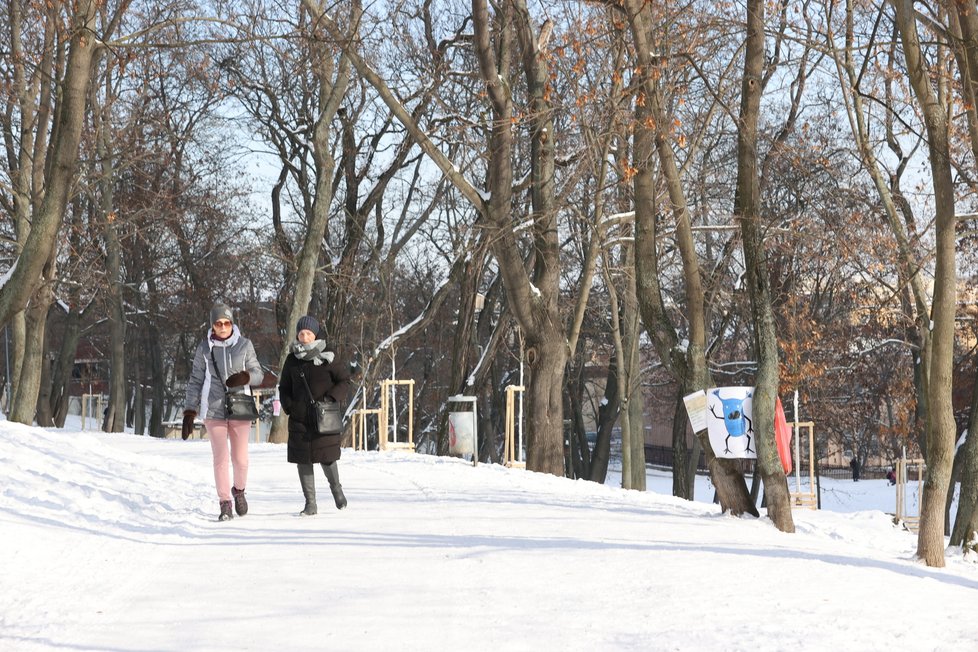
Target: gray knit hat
<point x="221" y="311"/>
<point x="307" y="323"/>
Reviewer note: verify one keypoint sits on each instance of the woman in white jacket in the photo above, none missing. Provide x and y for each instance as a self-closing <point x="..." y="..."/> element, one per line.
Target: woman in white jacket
<point x="224" y="361"/>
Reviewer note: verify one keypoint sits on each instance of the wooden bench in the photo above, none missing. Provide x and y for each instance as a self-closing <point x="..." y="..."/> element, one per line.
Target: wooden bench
<point x="174" y="430"/>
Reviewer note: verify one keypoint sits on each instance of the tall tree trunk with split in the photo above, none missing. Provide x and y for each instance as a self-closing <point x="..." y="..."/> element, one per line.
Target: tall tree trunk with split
<point x="687" y="366"/>
<point x="747" y="208"/>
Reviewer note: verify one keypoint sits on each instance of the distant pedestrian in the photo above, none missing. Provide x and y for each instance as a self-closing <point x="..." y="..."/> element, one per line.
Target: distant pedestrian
<point x="891" y="476"/>
<point x="224" y="361"/>
<point x="854" y="465"/>
<point x="312" y="372"/>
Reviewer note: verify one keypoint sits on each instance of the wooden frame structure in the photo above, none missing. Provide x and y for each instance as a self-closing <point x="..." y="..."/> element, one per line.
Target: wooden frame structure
<point x="360" y="425"/>
<point x="808" y="498"/>
<point x="386" y="404"/>
<point x="383" y="413"/>
<point x="86" y="399"/>
<point x="911" y="522"/>
<point x="510" y="447"/>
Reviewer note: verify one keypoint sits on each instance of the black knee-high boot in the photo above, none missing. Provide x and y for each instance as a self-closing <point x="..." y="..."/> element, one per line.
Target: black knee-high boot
<point x="333" y="475"/>
<point x="307" y="478"/>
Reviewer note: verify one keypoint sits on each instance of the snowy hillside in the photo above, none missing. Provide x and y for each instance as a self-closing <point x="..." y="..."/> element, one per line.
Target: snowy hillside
<point x="109" y="542"/>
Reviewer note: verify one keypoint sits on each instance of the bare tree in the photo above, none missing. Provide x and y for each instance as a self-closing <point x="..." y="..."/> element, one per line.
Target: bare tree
<point x="940" y="416"/>
<point x="533" y="298"/>
<point x="688" y="364"/>
<point x="61" y="163"/>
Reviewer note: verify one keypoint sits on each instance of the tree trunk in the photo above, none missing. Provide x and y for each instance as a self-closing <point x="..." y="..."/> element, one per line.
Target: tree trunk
<point x="607" y="416"/>
<point x="43" y="413"/>
<point x="64" y="364"/>
<point x="139" y="398"/>
<point x="17" y="334"/>
<point x="623" y="361"/>
<point x="625" y="333"/>
<point x="631" y="336"/>
<point x="29" y="383"/>
<point x="682" y="484"/>
<point x="46" y="221"/>
<point x="963" y="531"/>
<point x="580" y="446"/>
<point x="465" y="345"/>
<point x="158" y="375"/>
<point x="546" y="359"/>
<point x="114" y="419"/>
<point x="939" y="427"/>
<point x="687" y="367"/>
<point x="914" y="298"/>
<point x="747" y="207"/>
<point x="332" y="89"/>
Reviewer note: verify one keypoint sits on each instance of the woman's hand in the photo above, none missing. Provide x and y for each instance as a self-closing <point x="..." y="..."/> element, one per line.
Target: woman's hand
<point x="237" y="379"/>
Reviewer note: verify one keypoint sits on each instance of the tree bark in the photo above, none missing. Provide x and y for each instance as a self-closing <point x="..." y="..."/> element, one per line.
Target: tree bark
<point x="46" y="221"/>
<point x="114" y="419"/>
<point x="607" y="416"/>
<point x="332" y="88"/>
<point x="683" y="486"/>
<point x="939" y="426"/>
<point x="687" y="365"/>
<point x="43" y="414"/>
<point x="965" y="530"/>
<point x="29" y="382"/>
<point x="747" y="208"/>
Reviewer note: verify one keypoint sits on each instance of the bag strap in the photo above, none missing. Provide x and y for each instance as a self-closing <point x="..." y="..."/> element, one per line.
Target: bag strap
<point x="217" y="371"/>
<point x="308" y="391"/>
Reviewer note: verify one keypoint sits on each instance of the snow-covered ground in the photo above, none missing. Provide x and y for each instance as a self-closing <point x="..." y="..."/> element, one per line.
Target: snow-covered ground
<point x="109" y="542"/>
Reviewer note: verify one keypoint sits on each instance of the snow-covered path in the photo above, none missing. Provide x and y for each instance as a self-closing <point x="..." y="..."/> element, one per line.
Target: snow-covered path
<point x="109" y="543"/>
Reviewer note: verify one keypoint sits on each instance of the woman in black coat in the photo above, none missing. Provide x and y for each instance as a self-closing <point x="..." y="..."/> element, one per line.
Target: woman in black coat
<point x="328" y="378"/>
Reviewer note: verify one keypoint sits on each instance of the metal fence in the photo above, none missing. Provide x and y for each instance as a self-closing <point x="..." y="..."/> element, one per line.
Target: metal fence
<point x="662" y="456"/>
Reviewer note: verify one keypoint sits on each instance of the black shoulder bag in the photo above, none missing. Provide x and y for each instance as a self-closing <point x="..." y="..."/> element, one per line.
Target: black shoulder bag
<point x="238" y="406"/>
<point x="329" y="417"/>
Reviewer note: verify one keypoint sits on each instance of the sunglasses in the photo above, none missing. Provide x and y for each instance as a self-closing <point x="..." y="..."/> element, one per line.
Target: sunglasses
<point x="222" y="323"/>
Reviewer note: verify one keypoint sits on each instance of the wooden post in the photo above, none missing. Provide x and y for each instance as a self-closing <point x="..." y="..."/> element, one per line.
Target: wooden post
<point x="806" y="498"/>
<point x="510" y="444"/>
<point x="902" y="515"/>
<point x="386" y="405"/>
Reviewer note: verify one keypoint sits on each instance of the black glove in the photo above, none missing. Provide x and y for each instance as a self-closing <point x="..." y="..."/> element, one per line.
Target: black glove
<point x="237" y="379"/>
<point x="188" y="423"/>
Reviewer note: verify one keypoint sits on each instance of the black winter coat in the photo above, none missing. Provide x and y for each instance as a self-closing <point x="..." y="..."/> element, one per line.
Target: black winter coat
<point x="306" y="446"/>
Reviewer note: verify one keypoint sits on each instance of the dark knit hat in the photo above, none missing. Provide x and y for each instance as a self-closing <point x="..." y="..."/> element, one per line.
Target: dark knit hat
<point x="221" y="311"/>
<point x="307" y="323"/>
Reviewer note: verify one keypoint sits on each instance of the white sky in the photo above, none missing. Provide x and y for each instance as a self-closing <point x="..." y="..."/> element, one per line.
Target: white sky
<point x="109" y="542"/>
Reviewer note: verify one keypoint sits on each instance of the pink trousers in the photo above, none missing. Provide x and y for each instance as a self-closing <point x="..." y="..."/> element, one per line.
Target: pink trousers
<point x="237" y="432"/>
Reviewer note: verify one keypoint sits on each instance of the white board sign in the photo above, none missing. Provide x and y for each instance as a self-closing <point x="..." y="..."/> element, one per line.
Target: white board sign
<point x="730" y="421"/>
<point x="696" y="410"/>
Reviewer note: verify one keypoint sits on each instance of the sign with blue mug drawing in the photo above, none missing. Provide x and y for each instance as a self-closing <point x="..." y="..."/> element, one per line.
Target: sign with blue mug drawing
<point x="730" y="424"/>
